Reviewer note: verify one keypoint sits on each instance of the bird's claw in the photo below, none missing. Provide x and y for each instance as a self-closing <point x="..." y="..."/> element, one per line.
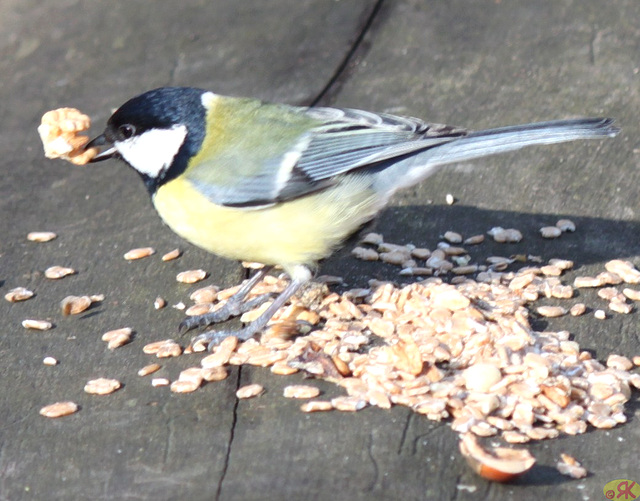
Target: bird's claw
<point x="230" y="309"/>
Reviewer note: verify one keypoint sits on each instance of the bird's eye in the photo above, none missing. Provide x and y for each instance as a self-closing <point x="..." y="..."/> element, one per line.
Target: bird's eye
<point x="127" y="131"/>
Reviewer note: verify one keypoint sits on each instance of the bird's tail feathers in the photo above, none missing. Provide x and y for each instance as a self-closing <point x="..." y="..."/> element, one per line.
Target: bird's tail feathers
<point x="490" y="142"/>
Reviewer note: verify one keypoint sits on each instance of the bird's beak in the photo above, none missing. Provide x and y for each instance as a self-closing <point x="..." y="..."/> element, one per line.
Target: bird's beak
<point x="101" y="140"/>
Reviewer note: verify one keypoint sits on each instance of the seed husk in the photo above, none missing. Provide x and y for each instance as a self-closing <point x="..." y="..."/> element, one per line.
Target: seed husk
<point x="39" y="325"/>
<point x="498" y="464"/>
<point x="249" y="391"/>
<point x="41" y="236"/>
<point x="59" y="409"/>
<point x="191" y="276"/>
<point x="57" y="272"/>
<point x="159" y="303"/>
<point x="74" y="305"/>
<point x="18" y="294"/>
<point x="139" y="253"/>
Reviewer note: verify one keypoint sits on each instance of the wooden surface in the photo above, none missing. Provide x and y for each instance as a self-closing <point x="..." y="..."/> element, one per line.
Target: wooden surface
<point x="475" y="64"/>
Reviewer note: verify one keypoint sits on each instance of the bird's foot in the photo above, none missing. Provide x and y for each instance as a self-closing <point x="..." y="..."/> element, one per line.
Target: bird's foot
<point x="211" y="339"/>
<point x="232" y="308"/>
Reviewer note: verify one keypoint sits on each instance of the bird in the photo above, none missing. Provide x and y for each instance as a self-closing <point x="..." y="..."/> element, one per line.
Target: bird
<point x="286" y="185"/>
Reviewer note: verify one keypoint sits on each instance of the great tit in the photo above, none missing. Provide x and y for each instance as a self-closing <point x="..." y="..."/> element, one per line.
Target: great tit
<point x="285" y="185"/>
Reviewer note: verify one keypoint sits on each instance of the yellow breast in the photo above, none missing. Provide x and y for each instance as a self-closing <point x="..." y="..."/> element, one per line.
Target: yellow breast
<point x="300" y="231"/>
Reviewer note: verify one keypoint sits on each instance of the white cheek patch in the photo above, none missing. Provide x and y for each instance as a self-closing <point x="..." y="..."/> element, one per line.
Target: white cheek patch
<point x="153" y="151"/>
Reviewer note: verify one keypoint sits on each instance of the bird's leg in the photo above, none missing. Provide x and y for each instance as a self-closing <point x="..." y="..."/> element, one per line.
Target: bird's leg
<point x="234" y="306"/>
<point x="301" y="276"/>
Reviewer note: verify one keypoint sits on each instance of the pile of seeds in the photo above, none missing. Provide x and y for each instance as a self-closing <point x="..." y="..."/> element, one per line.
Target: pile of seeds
<point x="465" y="351"/>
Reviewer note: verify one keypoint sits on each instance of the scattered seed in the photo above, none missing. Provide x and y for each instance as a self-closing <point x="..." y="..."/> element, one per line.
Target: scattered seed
<point x="149" y="369"/>
<point x="586" y="282"/>
<point x="160" y="381"/>
<point x="550" y="232"/>
<point x="49" y="361"/>
<point x="577" y="309"/>
<point x="56" y="272"/>
<point x="249" y="391"/>
<point x="184" y="386"/>
<point x="59" y="409"/>
<point x="214" y="373"/>
<point x="600" y="314"/>
<point x="372" y="239"/>
<point x="474" y="240"/>
<point x="171" y="255"/>
<point x="159" y="303"/>
<point x="169" y="349"/>
<point x="139" y="253"/>
<point x="348" y="404"/>
<point x="624" y="269"/>
<point x="41" y="236"/>
<point x="205" y="295"/>
<point x="117" y="338"/>
<point x="636" y="360"/>
<point x="481" y="377"/>
<point x="551" y="311"/>
<point x="73" y="305"/>
<point x="449" y="199"/>
<point x="452" y="237"/>
<point x="191" y="276"/>
<point x="316" y="406"/>
<point x="619" y="362"/>
<point x="632" y="294"/>
<point x="301" y="391"/>
<point x="365" y="254"/>
<point x="40" y="325"/>
<point x="566" y="225"/>
<point x="620" y="306"/>
<point x="502" y="235"/>
<point x="569" y="466"/>
<point x="102" y="386"/>
<point x="18" y="294"/>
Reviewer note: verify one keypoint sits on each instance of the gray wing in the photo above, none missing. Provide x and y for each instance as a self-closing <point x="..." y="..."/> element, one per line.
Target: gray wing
<point x="345" y="140"/>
